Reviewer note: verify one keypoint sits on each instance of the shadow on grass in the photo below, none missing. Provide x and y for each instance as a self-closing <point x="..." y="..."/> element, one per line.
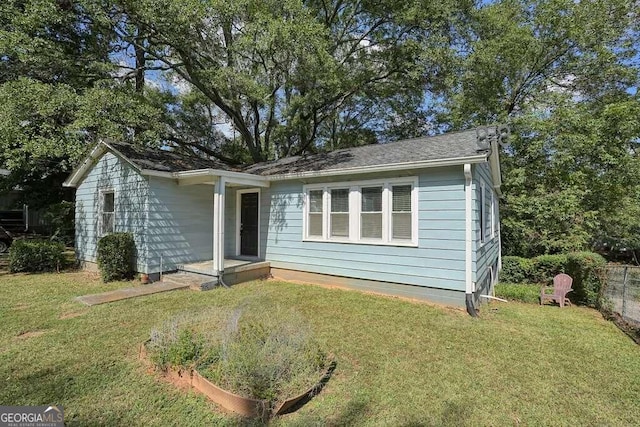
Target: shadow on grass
<point x="315" y="391"/>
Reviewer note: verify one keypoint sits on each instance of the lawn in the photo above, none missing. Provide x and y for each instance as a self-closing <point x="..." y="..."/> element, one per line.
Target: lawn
<point x="399" y="362"/>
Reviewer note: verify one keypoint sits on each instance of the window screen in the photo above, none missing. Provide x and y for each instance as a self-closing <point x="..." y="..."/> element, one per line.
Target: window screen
<point x="371" y="213"/>
<point x="315" y="213"/>
<point x="401" y="212"/>
<point x="340" y="212"/>
<point x="108" y="212"/>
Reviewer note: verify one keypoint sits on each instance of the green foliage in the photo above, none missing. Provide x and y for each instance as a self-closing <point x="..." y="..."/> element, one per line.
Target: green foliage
<point x="587" y="270"/>
<point x="35" y="256"/>
<point x="60" y="216"/>
<point x="518" y="292"/>
<point x="516" y="269"/>
<point x="116" y="255"/>
<point x="263" y="357"/>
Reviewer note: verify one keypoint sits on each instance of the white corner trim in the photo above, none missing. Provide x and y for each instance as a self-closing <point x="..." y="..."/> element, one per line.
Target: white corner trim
<point x="468" y="229"/>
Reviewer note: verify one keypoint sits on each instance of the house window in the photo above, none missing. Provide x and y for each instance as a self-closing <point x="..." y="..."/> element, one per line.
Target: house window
<point x="315" y="214"/>
<point x="340" y="213"/>
<point x="401" y="212"/>
<point x="373" y="212"/>
<point x="492" y="211"/>
<point x="108" y="211"/>
<point x="483" y="215"/>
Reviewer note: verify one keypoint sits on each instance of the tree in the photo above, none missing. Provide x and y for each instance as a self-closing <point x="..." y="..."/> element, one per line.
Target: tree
<point x="59" y="93"/>
<point x="285" y="73"/>
<point x="561" y="73"/>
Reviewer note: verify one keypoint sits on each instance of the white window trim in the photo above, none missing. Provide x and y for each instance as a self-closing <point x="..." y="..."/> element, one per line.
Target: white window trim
<point x="355" y="211"/>
<point x="493" y="215"/>
<point x="239" y="194"/>
<point x="101" y="212"/>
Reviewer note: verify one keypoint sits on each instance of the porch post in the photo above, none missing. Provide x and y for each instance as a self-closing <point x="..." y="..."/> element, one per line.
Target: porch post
<point x="218" y="226"/>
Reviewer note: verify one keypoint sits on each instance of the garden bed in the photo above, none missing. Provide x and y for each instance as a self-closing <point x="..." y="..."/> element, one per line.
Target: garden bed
<point x="247" y="407"/>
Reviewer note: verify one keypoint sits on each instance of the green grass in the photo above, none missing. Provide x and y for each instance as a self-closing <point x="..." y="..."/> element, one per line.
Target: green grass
<point x="523" y="292"/>
<point x="399" y="363"/>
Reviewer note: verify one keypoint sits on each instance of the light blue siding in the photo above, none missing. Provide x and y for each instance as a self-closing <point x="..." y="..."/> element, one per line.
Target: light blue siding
<point x="179" y="225"/>
<point x="437" y="262"/>
<point x="130" y="195"/>
<point x="485" y="255"/>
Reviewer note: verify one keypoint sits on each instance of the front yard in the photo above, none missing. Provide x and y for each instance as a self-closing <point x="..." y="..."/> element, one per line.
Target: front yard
<point x="399" y="363"/>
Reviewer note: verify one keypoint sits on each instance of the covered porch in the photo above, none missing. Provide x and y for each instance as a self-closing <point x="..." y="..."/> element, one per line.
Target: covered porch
<point x="236" y="231"/>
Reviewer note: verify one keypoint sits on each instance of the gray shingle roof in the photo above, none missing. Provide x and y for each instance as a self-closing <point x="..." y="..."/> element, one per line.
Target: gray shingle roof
<point x="165" y="160"/>
<point x="447" y="146"/>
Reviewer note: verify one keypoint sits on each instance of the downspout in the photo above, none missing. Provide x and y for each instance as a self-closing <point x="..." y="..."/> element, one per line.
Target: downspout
<point x="468" y="241"/>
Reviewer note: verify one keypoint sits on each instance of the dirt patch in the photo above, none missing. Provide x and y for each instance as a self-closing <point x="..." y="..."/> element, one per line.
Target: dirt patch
<point x="21" y="306"/>
<point x="72" y="315"/>
<point x="30" y="334"/>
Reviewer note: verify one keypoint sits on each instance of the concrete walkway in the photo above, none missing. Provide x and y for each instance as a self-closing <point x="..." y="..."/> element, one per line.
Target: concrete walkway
<point x="126" y="293"/>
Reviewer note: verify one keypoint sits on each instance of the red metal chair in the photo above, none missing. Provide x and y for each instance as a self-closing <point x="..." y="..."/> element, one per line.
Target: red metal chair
<point x="561" y="287"/>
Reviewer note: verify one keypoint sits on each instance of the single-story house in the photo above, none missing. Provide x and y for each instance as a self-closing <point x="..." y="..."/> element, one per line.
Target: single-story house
<point x="416" y="218"/>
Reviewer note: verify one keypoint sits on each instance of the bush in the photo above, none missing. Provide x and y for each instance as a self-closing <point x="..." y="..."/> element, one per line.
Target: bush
<point x="587" y="269"/>
<point x="518" y="292"/>
<point x="35" y="256"/>
<point x="516" y="269"/>
<point x="546" y="267"/>
<point x="256" y="356"/>
<point x="116" y="254"/>
<point x="584" y="267"/>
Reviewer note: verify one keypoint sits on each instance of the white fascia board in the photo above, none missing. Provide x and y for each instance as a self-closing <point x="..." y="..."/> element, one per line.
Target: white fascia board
<point x="455" y="161"/>
<point x="79" y="172"/>
<point x="196" y="176"/>
<point x="96" y="153"/>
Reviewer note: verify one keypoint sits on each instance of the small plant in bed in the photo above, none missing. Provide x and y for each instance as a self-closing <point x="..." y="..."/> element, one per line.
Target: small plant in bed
<point x="258" y="350"/>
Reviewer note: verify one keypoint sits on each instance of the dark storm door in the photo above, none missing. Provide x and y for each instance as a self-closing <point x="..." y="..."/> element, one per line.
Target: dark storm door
<point x="249" y="224"/>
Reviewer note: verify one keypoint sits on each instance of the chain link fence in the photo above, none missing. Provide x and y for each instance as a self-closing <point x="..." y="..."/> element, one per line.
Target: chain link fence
<point x="622" y="291"/>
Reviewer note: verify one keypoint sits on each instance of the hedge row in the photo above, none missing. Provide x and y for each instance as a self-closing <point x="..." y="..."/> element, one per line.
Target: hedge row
<point x="585" y="268"/>
<point x="35" y="256"/>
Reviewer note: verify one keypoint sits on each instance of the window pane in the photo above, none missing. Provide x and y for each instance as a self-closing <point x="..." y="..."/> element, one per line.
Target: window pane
<point x="340" y="200"/>
<point x="401" y="198"/>
<point x="108" y="202"/>
<point x="401" y="225"/>
<point x="107" y="223"/>
<point x="339" y="225"/>
<point x="315" y="201"/>
<point x="315" y="224"/>
<point x="371" y="199"/>
<point x="371" y="225"/>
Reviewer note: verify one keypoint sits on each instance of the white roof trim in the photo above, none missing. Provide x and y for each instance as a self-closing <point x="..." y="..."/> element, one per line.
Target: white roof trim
<point x="264" y="181"/>
<point x="454" y="161"/>
<point x="96" y="153"/>
<point x="229" y="176"/>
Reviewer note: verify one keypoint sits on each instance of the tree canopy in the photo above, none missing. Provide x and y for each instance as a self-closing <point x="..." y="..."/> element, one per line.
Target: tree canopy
<point x="246" y="81"/>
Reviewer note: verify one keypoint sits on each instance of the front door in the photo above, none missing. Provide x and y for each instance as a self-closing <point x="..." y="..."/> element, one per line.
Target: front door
<point x="249" y="230"/>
